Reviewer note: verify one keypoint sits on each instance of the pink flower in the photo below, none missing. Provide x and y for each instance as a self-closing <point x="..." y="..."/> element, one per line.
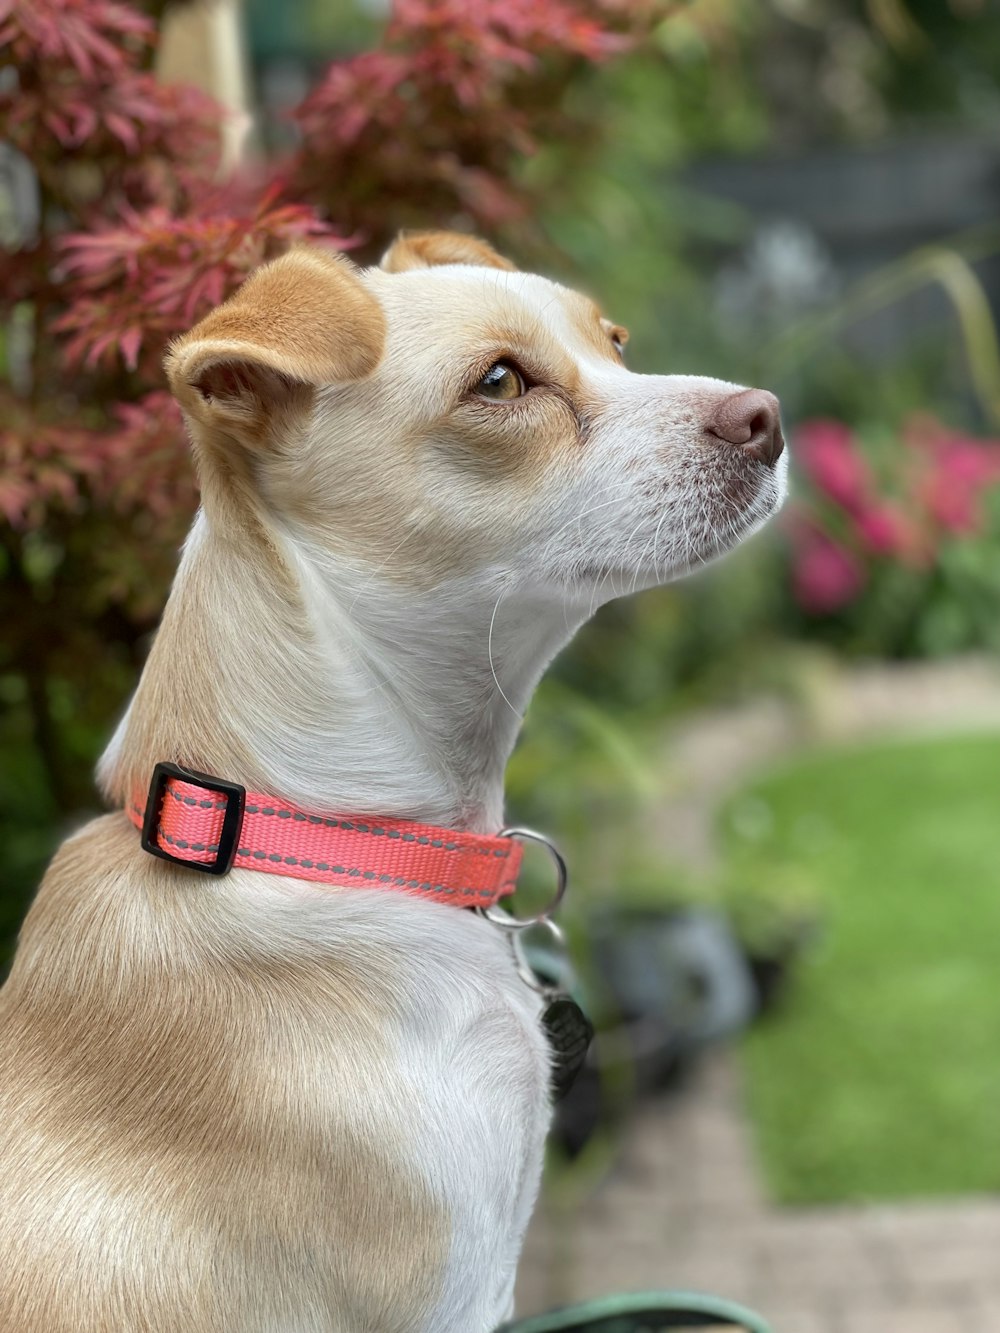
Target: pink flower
<point x="953" y="473"/>
<point x="952" y="505"/>
<point x="825" y="576"/>
<point x="881" y="528"/>
<point x="884" y="528"/>
<point x="950" y="487"/>
<point x="827" y="452"/>
<point x="973" y="462"/>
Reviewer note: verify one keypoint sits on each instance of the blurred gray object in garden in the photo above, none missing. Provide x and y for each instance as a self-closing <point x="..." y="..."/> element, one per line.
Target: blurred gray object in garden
<point x="19" y="201"/>
<point x="683" y="970"/>
<point x="784" y="271"/>
<point x="826" y="217"/>
<point x="671" y="984"/>
<point x="20" y="215"/>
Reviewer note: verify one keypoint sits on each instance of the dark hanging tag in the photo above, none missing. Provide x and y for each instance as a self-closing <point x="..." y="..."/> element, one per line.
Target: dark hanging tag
<point x="570" y="1033"/>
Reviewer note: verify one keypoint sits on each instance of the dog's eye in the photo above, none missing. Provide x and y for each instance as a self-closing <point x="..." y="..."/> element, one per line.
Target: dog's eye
<point x="501" y="383"/>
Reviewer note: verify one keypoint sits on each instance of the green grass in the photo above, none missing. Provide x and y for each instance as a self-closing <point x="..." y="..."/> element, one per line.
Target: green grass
<point x="880" y="1076"/>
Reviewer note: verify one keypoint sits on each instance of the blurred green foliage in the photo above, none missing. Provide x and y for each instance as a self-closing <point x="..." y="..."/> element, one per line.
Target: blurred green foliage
<point x="880" y="1080"/>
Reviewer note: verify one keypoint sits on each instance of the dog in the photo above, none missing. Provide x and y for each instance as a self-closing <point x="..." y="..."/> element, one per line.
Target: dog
<point x="246" y="1102"/>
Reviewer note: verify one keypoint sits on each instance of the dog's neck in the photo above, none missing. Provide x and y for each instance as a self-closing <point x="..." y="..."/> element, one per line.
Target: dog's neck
<point x="286" y="669"/>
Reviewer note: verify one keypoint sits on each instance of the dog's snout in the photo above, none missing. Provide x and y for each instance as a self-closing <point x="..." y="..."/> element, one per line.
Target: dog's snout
<point x="752" y="420"/>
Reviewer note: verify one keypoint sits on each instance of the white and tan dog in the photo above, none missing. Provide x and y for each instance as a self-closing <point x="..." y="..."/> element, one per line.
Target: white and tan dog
<point x="252" y="1104"/>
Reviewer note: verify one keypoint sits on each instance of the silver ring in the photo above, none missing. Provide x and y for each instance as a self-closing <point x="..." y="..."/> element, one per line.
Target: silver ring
<point x="524" y="969"/>
<point x="501" y="918"/>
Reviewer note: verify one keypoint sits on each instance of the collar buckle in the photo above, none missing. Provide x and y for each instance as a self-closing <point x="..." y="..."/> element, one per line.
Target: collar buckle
<point x="232" y="821"/>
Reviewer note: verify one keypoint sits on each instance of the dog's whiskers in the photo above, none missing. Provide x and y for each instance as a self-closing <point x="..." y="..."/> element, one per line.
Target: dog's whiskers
<point x="489" y="651"/>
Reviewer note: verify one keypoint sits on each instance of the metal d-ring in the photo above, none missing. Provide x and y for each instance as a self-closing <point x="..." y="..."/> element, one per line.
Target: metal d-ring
<point x="524" y="969"/>
<point x="504" y="919"/>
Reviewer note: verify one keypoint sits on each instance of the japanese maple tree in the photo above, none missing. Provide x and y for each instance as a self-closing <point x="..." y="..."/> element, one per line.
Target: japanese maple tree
<point x="118" y="229"/>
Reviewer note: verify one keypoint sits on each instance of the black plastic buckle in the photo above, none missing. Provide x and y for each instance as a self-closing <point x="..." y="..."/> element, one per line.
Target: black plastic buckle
<point x="232" y="820"/>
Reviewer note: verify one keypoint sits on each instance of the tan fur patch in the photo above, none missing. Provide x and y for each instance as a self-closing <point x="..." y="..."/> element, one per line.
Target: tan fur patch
<point x="517" y="440"/>
<point x="618" y="333"/>
<point x="200" y="660"/>
<point x="196" y="1101"/>
<point x="367" y="481"/>
<point x="523" y="337"/>
<point x="593" y="329"/>
<point x="303" y="321"/>
<point x="426" y="249"/>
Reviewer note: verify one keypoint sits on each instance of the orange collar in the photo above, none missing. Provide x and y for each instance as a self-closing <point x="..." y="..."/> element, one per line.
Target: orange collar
<point x="210" y="825"/>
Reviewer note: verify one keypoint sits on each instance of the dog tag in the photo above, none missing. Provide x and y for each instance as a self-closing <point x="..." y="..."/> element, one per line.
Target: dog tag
<point x="570" y="1032"/>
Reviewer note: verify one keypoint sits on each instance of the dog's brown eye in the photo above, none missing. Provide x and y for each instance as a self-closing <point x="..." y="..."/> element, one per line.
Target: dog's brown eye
<point x="501" y="383"/>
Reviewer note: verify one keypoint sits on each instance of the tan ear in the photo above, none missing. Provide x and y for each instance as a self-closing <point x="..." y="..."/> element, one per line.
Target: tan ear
<point x="427" y="249"/>
<point x="297" y="323"/>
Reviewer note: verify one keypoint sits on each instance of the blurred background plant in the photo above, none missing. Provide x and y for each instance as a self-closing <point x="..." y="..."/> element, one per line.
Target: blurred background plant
<point x="893" y="544"/>
<point x="795" y="193"/>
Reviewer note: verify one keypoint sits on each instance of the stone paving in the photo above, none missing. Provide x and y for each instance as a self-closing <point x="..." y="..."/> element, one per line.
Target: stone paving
<point x="683" y="1207"/>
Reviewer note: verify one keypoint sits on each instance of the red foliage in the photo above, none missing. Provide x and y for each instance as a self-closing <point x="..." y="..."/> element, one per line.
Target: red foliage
<point x="148" y="276"/>
<point x="91" y="37"/>
<point x="139" y="236"/>
<point x="76" y="78"/>
<point x="142" y="466"/>
<point x="134" y="242"/>
<point x="137" y="461"/>
<point x="437" y="117"/>
<point x="40" y="468"/>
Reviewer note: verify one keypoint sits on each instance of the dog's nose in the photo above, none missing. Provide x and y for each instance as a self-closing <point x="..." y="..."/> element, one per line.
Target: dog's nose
<point x="751" y="419"/>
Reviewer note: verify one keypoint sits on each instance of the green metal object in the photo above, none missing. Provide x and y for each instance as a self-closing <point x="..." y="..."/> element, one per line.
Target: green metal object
<point x="644" y="1312"/>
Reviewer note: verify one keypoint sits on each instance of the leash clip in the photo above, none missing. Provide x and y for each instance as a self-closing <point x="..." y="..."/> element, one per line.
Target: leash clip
<point x="556" y="955"/>
<point x="503" y="919"/>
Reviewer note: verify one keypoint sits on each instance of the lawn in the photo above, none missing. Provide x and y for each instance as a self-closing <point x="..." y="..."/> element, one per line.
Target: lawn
<point x="880" y="1076"/>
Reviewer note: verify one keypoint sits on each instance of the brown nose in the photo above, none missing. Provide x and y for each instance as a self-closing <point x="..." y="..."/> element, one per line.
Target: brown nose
<point x="751" y="419"/>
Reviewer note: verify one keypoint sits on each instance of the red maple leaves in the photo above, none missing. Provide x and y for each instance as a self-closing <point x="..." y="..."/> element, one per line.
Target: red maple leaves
<point x="148" y="276"/>
<point x="137" y="234"/>
<point x="437" y="117"/>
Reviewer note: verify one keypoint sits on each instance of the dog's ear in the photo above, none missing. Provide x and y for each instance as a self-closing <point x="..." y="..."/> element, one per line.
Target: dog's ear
<point x="300" y="322"/>
<point x="426" y="249"/>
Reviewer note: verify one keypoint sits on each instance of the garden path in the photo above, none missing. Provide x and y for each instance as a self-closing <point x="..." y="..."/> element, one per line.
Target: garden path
<point x="684" y="1205"/>
<point x="684" y="1208"/>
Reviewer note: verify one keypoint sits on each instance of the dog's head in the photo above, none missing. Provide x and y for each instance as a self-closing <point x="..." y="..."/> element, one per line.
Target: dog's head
<point x="444" y="415"/>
